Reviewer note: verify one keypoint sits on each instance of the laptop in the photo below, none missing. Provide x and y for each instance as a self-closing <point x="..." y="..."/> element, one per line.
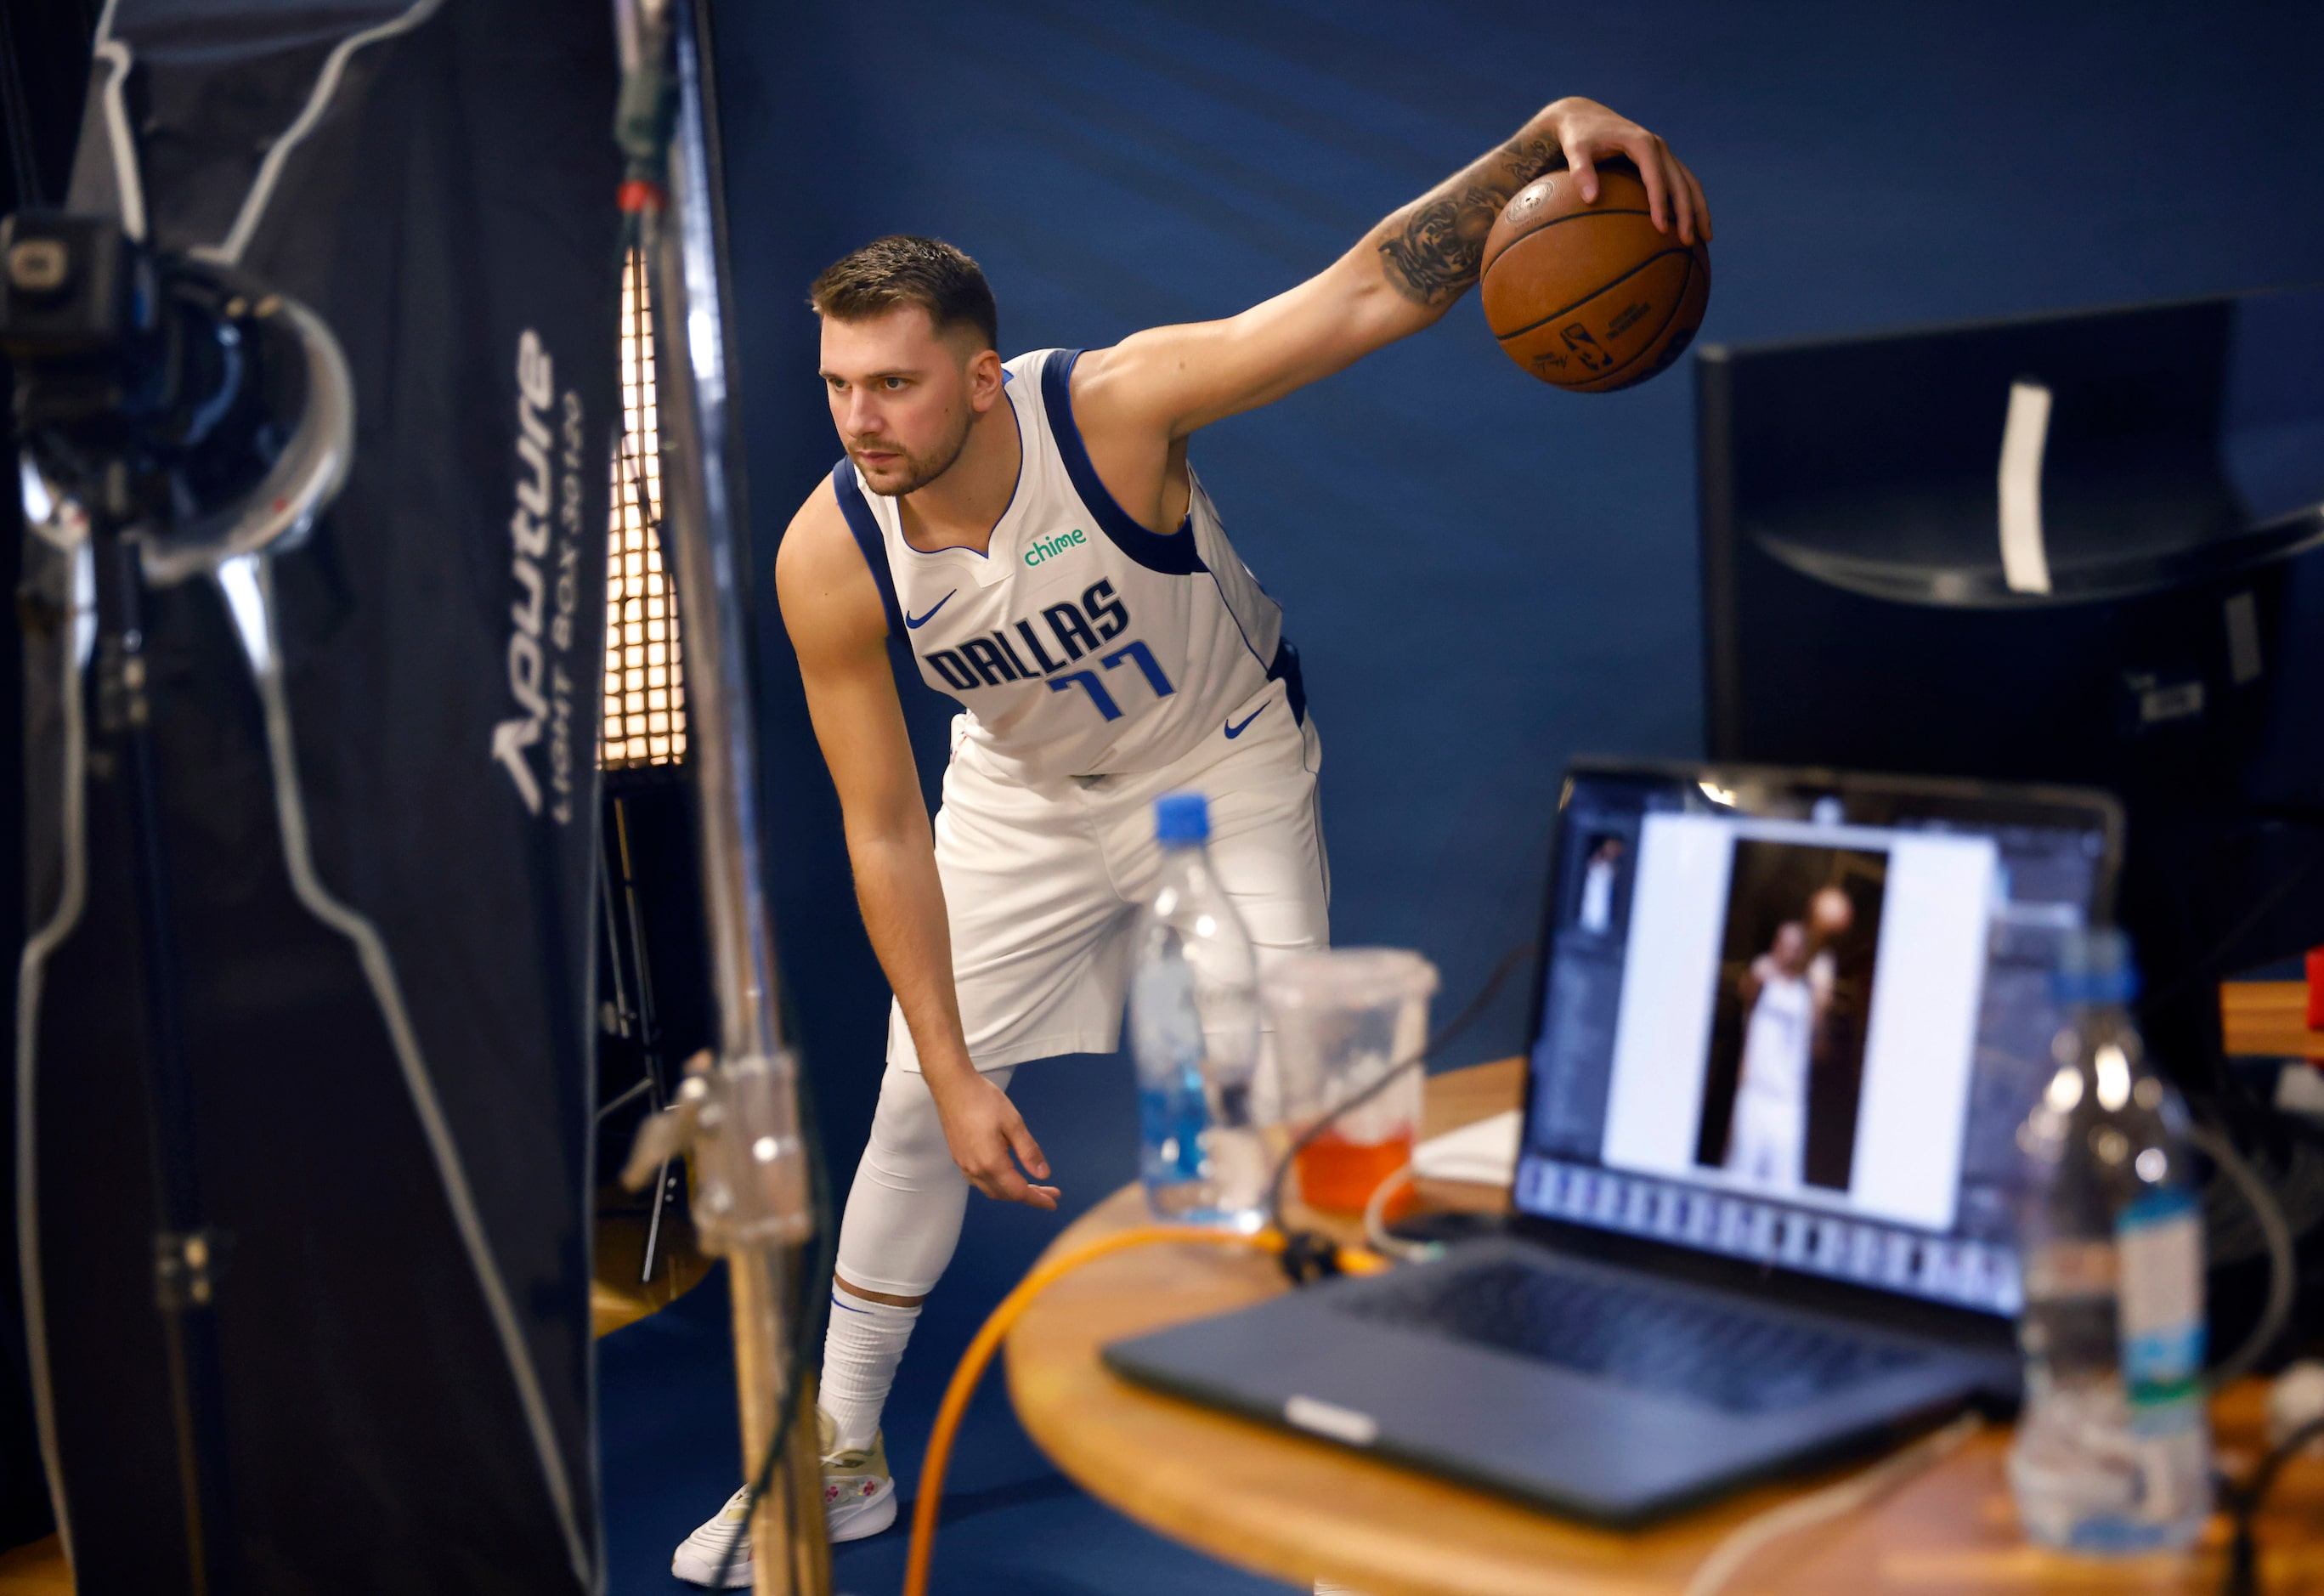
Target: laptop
<point x="1785" y="1026"/>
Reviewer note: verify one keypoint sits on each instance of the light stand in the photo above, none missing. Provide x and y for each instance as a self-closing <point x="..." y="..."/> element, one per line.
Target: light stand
<point x="741" y="1116"/>
<point x="181" y="420"/>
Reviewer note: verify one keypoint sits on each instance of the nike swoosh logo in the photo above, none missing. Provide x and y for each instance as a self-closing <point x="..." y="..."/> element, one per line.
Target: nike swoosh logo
<point x="1235" y="731"/>
<point x="917" y="621"/>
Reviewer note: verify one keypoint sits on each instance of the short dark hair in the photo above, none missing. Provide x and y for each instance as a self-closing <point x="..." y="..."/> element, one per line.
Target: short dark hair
<point x="904" y="269"/>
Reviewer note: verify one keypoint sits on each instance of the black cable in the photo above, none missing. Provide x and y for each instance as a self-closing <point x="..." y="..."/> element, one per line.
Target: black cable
<point x="818" y="1312"/>
<point x="814" y="1322"/>
<point x="632" y="462"/>
<point x="2243" y="1502"/>
<point x="16" y="121"/>
<point x="812" y="1316"/>
<point x="1297" y="1259"/>
<point x="2207" y="964"/>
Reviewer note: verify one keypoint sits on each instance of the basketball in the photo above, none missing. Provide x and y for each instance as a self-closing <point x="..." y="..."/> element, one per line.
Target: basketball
<point x="1590" y="298"/>
<point x="1829" y="912"/>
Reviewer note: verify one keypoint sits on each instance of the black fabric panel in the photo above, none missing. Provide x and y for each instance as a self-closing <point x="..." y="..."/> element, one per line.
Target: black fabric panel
<point x="43" y="62"/>
<point x="24" y="1513"/>
<point x="454" y="197"/>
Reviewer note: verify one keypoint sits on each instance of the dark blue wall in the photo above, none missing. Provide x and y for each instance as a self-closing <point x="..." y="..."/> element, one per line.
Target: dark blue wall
<point x="1484" y="576"/>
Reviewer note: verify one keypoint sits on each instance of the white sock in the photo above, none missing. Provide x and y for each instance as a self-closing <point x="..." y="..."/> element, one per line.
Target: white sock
<point x="860" y="1349"/>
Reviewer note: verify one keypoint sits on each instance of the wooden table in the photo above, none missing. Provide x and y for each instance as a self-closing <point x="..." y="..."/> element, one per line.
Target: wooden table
<point x="1300" y="1509"/>
<point x="2269" y="1017"/>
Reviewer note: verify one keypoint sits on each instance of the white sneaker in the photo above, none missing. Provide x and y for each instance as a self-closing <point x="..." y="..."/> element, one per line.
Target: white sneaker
<point x="859" y="1495"/>
<point x="859" y="1499"/>
<point x="696" y="1558"/>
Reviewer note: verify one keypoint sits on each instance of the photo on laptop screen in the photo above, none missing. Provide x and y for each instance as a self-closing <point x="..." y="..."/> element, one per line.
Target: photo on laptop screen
<point x="1786" y="1062"/>
<point x="1797" y="1028"/>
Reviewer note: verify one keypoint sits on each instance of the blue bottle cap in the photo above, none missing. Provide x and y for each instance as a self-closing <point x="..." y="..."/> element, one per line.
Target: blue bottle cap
<point x="1181" y="817"/>
<point x="2095" y="967"/>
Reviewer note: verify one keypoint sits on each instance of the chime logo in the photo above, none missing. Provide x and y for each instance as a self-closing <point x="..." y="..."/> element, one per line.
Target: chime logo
<point x="1050" y="548"/>
<point x="545" y="559"/>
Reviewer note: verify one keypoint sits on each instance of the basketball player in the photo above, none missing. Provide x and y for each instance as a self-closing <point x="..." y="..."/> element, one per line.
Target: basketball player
<point x="1032" y="531"/>
<point x="1596" y="915"/>
<point x="1783" y="1005"/>
<point x="1788" y="997"/>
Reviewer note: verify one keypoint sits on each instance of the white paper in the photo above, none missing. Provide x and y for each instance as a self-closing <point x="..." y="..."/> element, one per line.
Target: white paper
<point x="2024" y="557"/>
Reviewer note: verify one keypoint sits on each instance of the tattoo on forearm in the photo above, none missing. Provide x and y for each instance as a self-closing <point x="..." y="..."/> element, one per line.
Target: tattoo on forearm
<point x="1434" y="256"/>
<point x="1431" y="249"/>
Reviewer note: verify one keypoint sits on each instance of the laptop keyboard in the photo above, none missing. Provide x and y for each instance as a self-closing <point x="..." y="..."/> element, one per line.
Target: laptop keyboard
<point x="1634" y="1335"/>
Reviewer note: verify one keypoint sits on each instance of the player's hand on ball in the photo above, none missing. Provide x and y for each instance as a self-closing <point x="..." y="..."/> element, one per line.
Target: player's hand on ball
<point x="983" y="1129"/>
<point x="1589" y="133"/>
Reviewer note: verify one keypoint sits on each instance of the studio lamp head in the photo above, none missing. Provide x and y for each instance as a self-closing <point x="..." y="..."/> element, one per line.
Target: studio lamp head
<point x="167" y="398"/>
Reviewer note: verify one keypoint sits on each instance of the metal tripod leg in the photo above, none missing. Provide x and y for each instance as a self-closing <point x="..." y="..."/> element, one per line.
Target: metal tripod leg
<point x="653" y="1223"/>
<point x="632" y="1005"/>
<point x="650" y="1038"/>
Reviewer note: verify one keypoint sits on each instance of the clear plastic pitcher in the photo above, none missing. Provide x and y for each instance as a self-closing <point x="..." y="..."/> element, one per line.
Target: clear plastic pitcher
<point x="1341" y="1019"/>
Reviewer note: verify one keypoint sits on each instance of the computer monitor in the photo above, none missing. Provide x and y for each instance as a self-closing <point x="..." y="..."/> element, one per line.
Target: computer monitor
<point x="1795" y="1017"/>
<point x="1862" y="608"/>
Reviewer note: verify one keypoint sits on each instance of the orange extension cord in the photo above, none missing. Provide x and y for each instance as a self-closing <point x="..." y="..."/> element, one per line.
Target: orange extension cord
<point x="996" y="1330"/>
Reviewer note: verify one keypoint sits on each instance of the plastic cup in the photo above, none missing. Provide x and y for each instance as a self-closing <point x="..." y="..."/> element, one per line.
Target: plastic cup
<point x="1341" y="1020"/>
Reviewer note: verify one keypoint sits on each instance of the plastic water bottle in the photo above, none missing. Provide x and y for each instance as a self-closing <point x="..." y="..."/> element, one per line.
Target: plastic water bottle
<point x="2113" y="1447"/>
<point x="1194" y="1029"/>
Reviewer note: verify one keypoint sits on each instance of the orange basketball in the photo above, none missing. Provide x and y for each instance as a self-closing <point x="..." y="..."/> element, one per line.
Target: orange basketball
<point x="1829" y="912"/>
<point x="1590" y="298"/>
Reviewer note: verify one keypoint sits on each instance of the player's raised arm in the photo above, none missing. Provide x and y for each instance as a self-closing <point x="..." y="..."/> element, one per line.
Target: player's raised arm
<point x="1169" y="382"/>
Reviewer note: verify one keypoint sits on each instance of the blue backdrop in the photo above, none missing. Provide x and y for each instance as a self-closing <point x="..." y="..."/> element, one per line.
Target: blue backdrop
<point x="1484" y="577"/>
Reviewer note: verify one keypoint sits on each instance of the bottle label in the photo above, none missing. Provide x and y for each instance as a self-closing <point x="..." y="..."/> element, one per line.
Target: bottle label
<point x="2161" y="1296"/>
<point x="1165" y="1027"/>
<point x="2068" y="1268"/>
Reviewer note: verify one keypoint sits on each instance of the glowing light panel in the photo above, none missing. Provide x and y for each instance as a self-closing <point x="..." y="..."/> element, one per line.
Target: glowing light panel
<point x="645" y="685"/>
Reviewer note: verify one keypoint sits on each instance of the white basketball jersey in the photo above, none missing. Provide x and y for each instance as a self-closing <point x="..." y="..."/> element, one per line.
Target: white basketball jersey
<point x="1080" y="643"/>
<point x="1775" y="1042"/>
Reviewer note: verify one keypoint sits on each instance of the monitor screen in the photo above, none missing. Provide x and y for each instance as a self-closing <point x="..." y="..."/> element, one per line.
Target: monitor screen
<point x="1799" y="1025"/>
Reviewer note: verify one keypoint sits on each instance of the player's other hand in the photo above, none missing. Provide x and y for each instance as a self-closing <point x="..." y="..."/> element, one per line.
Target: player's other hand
<point x="1589" y="133"/>
<point x="988" y="1140"/>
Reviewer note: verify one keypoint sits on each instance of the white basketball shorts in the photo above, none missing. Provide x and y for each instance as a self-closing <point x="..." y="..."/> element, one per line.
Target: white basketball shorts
<point x="1043" y="880"/>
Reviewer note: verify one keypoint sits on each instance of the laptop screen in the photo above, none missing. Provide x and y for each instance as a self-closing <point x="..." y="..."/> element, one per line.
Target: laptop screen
<point x="1799" y="1025"/>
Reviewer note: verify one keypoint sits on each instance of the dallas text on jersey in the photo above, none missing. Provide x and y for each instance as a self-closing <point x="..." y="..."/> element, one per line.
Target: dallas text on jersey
<point x="1080" y="629"/>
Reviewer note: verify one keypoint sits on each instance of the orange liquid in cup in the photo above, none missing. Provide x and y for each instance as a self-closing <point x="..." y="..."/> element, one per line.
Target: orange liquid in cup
<point x="1340" y="1175"/>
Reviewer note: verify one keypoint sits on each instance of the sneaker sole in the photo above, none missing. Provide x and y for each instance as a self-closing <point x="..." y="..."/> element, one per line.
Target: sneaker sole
<point x="697" y="1570"/>
<point x="856" y="1521"/>
<point x="866" y="1516"/>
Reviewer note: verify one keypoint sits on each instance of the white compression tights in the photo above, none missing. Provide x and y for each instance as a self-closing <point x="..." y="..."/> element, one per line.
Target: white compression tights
<point x="903" y="1221"/>
<point x="905" y="1210"/>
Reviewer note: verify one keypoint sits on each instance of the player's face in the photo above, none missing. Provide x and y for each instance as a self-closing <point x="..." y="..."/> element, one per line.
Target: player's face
<point x="1791" y="949"/>
<point x="899" y="396"/>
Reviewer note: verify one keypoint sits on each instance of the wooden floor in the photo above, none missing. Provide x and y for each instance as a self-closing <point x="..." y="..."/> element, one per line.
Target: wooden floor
<point x="2261" y="1016"/>
<point x="617" y="1296"/>
<point x="37" y="1570"/>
